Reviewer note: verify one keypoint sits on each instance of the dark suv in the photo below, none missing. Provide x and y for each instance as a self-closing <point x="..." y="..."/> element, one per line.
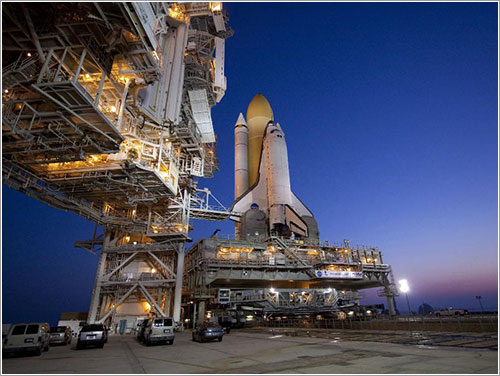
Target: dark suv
<point x="92" y="335"/>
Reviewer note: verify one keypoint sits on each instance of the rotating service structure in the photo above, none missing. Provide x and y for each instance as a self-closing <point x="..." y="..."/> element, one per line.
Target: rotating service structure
<point x="106" y="112"/>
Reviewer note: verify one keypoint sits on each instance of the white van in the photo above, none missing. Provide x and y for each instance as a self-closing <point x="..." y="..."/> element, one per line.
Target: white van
<point x="33" y="336"/>
<point x="159" y="330"/>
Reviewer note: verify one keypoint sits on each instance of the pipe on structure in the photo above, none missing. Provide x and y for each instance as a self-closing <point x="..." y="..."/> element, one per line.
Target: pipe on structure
<point x="34" y="36"/>
<point x="178" y="284"/>
<point x="123" y="104"/>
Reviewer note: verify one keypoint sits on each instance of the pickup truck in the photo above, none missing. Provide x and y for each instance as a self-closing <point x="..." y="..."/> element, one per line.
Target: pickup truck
<point x="451" y="312"/>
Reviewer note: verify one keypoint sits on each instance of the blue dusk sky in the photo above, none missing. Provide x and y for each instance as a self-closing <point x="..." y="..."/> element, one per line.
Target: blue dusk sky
<point x="390" y="115"/>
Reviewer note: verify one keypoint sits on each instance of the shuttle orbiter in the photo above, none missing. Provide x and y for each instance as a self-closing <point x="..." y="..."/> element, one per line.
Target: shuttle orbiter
<point x="264" y="197"/>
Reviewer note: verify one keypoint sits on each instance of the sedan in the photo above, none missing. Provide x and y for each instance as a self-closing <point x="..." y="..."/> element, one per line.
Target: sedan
<point x="208" y="332"/>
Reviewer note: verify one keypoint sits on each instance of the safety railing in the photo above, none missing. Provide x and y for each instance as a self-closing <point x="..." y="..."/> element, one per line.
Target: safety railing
<point x="475" y="323"/>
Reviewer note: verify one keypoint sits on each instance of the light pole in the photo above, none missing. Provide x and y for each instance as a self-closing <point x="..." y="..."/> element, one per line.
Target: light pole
<point x="403" y="287"/>
<point x="479" y="297"/>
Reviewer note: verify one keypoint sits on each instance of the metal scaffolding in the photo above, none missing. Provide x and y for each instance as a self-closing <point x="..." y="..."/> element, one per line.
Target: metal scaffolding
<point x="106" y="113"/>
<point x="284" y="276"/>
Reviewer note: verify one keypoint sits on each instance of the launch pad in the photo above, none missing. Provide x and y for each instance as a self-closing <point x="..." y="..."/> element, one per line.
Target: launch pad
<point x="276" y="262"/>
<point x="106" y="112"/>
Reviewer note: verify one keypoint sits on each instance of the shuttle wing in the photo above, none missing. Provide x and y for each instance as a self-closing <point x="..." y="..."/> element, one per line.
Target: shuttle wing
<point x="299" y="206"/>
<point x="256" y="194"/>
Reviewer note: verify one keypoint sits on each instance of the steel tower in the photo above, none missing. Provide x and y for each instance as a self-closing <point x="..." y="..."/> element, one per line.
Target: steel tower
<point x="106" y="113"/>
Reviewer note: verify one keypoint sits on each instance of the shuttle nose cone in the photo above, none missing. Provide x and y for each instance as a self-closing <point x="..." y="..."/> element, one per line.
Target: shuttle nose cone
<point x="259" y="107"/>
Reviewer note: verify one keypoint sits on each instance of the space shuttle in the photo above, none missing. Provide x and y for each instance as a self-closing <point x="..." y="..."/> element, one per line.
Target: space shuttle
<point x="264" y="201"/>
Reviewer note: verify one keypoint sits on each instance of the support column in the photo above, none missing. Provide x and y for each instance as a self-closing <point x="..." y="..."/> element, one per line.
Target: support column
<point x="122" y="106"/>
<point x="195" y="311"/>
<point x="201" y="311"/>
<point x="168" y="301"/>
<point x="96" y="292"/>
<point x="104" y="305"/>
<point x="178" y="284"/>
<point x="390" y="305"/>
<point x="355" y="297"/>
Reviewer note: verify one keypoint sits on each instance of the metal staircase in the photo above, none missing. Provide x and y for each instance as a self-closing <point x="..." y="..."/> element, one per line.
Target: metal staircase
<point x="290" y="254"/>
<point x="20" y="71"/>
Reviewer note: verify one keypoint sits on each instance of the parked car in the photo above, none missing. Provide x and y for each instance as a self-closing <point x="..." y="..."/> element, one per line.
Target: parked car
<point x="159" y="330"/>
<point x="208" y="332"/>
<point x="92" y="335"/>
<point x="5" y="330"/>
<point x="450" y="311"/>
<point x="33" y="337"/>
<point x="60" y="335"/>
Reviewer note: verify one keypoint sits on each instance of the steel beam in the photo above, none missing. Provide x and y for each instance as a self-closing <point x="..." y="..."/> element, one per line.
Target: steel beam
<point x="96" y="293"/>
<point x="165" y="266"/>
<point x="115" y="306"/>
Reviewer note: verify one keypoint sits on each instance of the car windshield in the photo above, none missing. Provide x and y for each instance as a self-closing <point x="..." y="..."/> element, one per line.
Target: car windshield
<point x="92" y="328"/>
<point x="58" y="329"/>
<point x="211" y="325"/>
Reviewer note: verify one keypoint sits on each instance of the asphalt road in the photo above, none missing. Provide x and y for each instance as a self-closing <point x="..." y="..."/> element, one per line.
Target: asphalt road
<point x="252" y="352"/>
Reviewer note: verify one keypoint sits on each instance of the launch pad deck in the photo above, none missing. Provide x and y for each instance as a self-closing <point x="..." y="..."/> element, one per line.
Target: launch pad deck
<point x="252" y="352"/>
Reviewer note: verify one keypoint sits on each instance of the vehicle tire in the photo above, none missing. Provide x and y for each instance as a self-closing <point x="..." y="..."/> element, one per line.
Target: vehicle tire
<point x="100" y="346"/>
<point x="220" y="339"/>
<point x="148" y="342"/>
<point x="228" y="331"/>
<point x="38" y="351"/>
<point x="78" y="346"/>
<point x="171" y="342"/>
<point x="46" y="348"/>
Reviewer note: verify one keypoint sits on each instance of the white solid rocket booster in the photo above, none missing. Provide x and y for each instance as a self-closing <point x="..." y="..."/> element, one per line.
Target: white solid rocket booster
<point x="240" y="156"/>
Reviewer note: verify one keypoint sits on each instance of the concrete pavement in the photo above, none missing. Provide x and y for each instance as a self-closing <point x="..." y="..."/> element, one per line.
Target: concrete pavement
<point x="249" y="352"/>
